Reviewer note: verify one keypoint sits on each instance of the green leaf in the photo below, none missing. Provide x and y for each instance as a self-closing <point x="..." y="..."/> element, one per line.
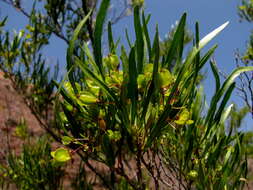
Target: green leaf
<point x="216" y="75"/>
<point x="224" y="102"/>
<point x="66" y="140"/>
<point x="124" y="60"/>
<point x="216" y="98"/>
<point x="106" y="89"/>
<point x="184" y="118"/>
<point x="197" y="59"/>
<point x="193" y="174"/>
<point x="2" y="23"/>
<point x="71" y="47"/>
<point x="107" y="148"/>
<point x="112" y="62"/>
<point x="178" y="40"/>
<point x="230" y="150"/>
<point x="97" y="47"/>
<point x="114" y="135"/>
<point x="154" y="69"/>
<point x="87" y="98"/>
<point x="92" y="76"/>
<point x="226" y="113"/>
<point x="67" y="97"/>
<point x="156" y="54"/>
<point x="145" y="30"/>
<point x="202" y="43"/>
<point x="207" y="56"/>
<point x="139" y="39"/>
<point x="215" y="153"/>
<point x="211" y="35"/>
<point x="61" y="155"/>
<point x="86" y="50"/>
<point x="232" y="77"/>
<point x="128" y="39"/>
<point x="110" y="38"/>
<point x="132" y="85"/>
<point x="156" y="130"/>
<point x="137" y="3"/>
<point x="164" y="78"/>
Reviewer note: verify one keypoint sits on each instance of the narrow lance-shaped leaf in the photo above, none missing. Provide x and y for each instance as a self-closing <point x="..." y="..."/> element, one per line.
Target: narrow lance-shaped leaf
<point x="105" y="88"/>
<point x="96" y="79"/>
<point x="223" y="89"/>
<point x="224" y="102"/>
<point x="232" y="77"/>
<point x="216" y="75"/>
<point x="67" y="97"/>
<point x="197" y="40"/>
<point x="212" y="158"/>
<point x="195" y="72"/>
<point x="62" y="91"/>
<point x="226" y="113"/>
<point x="97" y="47"/>
<point x="70" y="50"/>
<point x="90" y="59"/>
<point x="125" y="68"/>
<point x="211" y="35"/>
<point x="214" y="100"/>
<point x="128" y="39"/>
<point x="192" y="78"/>
<point x="154" y="74"/>
<point x="192" y="55"/>
<point x="139" y="39"/>
<point x="145" y="30"/>
<point x="124" y="60"/>
<point x="110" y="38"/>
<point x="108" y="150"/>
<point x="132" y="85"/>
<point x="2" y="23"/>
<point x="207" y="56"/>
<point x="177" y="41"/>
<point x="157" y="55"/>
<point x="75" y="128"/>
<point x="162" y="119"/>
<point x="202" y="43"/>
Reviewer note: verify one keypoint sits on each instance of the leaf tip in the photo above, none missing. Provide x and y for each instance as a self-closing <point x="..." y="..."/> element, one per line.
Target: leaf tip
<point x="225" y="24"/>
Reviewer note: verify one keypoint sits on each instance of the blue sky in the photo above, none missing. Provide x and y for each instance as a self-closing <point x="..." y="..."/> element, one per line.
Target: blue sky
<point x="209" y="14"/>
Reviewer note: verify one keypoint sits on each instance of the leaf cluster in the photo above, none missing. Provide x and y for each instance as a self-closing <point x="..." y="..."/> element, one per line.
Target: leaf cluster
<point x="137" y="106"/>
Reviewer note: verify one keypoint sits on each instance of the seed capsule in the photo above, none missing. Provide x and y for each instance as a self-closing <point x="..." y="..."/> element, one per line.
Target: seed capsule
<point x="102" y="124"/>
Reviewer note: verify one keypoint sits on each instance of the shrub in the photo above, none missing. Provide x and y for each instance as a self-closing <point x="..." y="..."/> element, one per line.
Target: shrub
<point x="139" y="116"/>
<point x="33" y="169"/>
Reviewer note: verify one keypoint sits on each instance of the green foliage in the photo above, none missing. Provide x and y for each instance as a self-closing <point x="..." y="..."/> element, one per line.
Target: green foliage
<point x="247" y="143"/>
<point x="80" y="181"/>
<point x="137" y="111"/>
<point x="246" y="58"/>
<point x="137" y="2"/>
<point x="246" y="10"/>
<point x="33" y="169"/>
<point x="148" y="109"/>
<point x="61" y="155"/>
<point x="21" y="129"/>
<point x="22" y="62"/>
<point x="237" y="116"/>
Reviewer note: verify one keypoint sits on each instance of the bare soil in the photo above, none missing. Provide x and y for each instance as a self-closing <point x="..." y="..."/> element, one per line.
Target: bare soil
<point x="12" y="111"/>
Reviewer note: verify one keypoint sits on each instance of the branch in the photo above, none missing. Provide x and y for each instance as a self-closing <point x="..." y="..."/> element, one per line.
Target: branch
<point x="89" y="21"/>
<point x="26" y="14"/>
<point x="245" y="86"/>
